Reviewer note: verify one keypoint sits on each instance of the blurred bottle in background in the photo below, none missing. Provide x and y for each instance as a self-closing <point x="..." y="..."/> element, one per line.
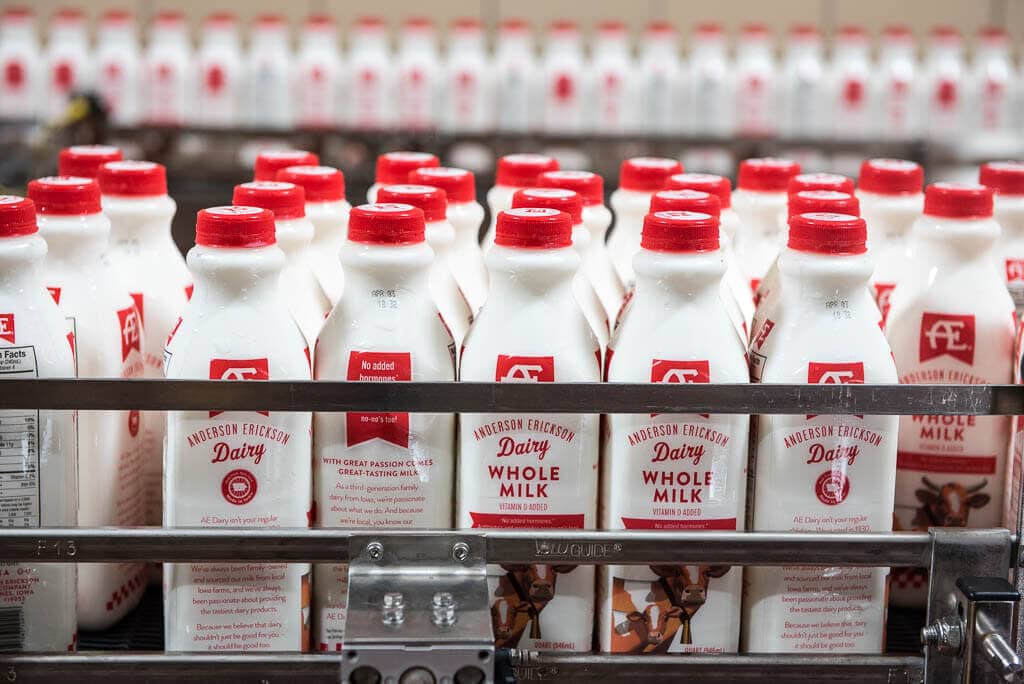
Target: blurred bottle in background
<point x="757" y="82"/>
<point x="117" y="66"/>
<point x="711" y="83"/>
<point x="514" y="75"/>
<point x="562" y="79"/>
<point x="167" y="85"/>
<point x="943" y="84"/>
<point x="898" y="112"/>
<point x="802" y="96"/>
<point x="850" y="84"/>
<point x="370" y="75"/>
<point x="221" y="81"/>
<point x="20" y="59"/>
<point x="992" y="90"/>
<point x="68" y="61"/>
<point x="466" y="104"/>
<point x="660" y="75"/>
<point x="611" y="99"/>
<point x="419" y="74"/>
<point x="319" y="74"/>
<point x="269" y="73"/>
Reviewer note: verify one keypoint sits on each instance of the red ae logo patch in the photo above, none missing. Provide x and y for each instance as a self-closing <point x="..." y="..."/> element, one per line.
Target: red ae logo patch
<point x="525" y="368"/>
<point x="1014" y="270"/>
<point x="239" y="369"/>
<point x="7" y="327"/>
<point x="663" y="370"/>
<point x="947" y="334"/>
<point x="835" y="374"/>
<point x="130" y="331"/>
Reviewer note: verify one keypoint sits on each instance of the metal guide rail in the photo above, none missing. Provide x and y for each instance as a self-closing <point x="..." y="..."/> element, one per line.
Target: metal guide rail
<point x="418" y="605"/>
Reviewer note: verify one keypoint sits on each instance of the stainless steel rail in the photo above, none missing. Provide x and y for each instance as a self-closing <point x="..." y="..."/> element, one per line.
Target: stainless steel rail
<point x="50" y="545"/>
<point x="470" y="397"/>
<point x="528" y="666"/>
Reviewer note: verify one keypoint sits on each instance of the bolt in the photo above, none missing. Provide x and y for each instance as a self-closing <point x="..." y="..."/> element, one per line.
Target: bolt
<point x="460" y="552"/>
<point x="443" y="606"/>
<point x="392" y="608"/>
<point x="946" y="635"/>
<point x="375" y="550"/>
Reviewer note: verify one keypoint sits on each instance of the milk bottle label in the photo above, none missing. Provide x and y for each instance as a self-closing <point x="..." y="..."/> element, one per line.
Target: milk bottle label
<point x="883" y="293"/>
<point x="246" y="454"/>
<point x="378" y="367"/>
<point x="19" y="451"/>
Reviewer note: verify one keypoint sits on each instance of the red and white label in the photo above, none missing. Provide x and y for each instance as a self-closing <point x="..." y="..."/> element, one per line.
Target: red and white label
<point x="239" y="369"/>
<point x="763" y="333"/>
<point x="883" y="293"/>
<point x="7" y="327"/>
<point x="140" y="305"/>
<point x="663" y="370"/>
<point x="378" y="367"/>
<point x="945" y="334"/>
<point x="525" y="368"/>
<point x="55" y="293"/>
<point x="131" y="331"/>
<point x="1014" y="270"/>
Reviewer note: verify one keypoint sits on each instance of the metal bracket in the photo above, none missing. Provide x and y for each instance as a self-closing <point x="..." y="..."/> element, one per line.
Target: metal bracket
<point x="418" y="611"/>
<point x="957" y="553"/>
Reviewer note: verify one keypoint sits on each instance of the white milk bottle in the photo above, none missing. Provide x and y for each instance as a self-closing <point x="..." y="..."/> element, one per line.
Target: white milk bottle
<point x="993" y="86"/>
<point x="239" y="469"/>
<point x="1007" y="182"/>
<point x="319" y="74"/>
<point x="639" y="178"/>
<point x="327" y="209"/>
<point x="728" y="222"/>
<point x="943" y="84"/>
<point x="597" y="262"/>
<point x="371" y="76"/>
<point x="711" y="85"/>
<point x="515" y="171"/>
<point x="674" y="484"/>
<point x="466" y="216"/>
<point x="697" y="201"/>
<point x="107" y="332"/>
<point x="168" y="72"/>
<point x="821" y="473"/>
<point x="661" y="79"/>
<point x="440" y="236"/>
<point x="612" y="99"/>
<point x="466" y="102"/>
<point x="571" y="203"/>
<point x="270" y="162"/>
<point x="515" y="68"/>
<point x="851" y="84"/>
<point x="20" y="61"/>
<point x="84" y="161"/>
<point x="393" y="168"/>
<point x="891" y="199"/>
<point x="562" y="103"/>
<point x="269" y="73"/>
<point x="118" y="67"/>
<point x="554" y="483"/>
<point x="757" y="82"/>
<point x="385" y="329"/>
<point x="803" y="202"/>
<point x="145" y="259"/>
<point x="759" y="199"/>
<point x="802" y="101"/>
<point x="302" y="292"/>
<point x="898" y="115"/>
<point x="950" y="321"/>
<point x="39" y="453"/>
<point x="68" y="62"/>
<point x="220" y="83"/>
<point x="418" y="75"/>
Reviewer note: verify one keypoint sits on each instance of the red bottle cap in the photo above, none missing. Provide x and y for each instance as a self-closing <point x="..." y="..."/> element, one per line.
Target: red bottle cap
<point x="534" y="228"/>
<point x="822" y="201"/>
<point x="167" y="18"/>
<point x="820" y="181"/>
<point x="268" y="163"/>
<point x="386" y="224"/>
<point x="65" y="195"/>
<point x="647" y="174"/>
<point x="705" y="182"/>
<point x="958" y="200"/>
<point x="432" y="201"/>
<point x="235" y="226"/>
<point x="766" y="174"/>
<point x="514" y="25"/>
<point x="85" y="161"/>
<point x="394" y="167"/>
<point x="1004" y="177"/>
<point x="890" y="177"/>
<point x="133" y="179"/>
<point x="686" y="200"/>
<point x="286" y="200"/>
<point x="521" y="170"/>
<point x="17" y="216"/>
<point x="458" y="184"/>
<point x="589" y="185"/>
<point x="828" y="233"/>
<point x="321" y="183"/>
<point x="680" y="231"/>
<point x="568" y="201"/>
<point x="116" y="17"/>
<point x="660" y="29"/>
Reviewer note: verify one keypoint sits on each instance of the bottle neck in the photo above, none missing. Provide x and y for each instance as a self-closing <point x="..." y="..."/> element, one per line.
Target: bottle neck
<point x="471" y="43"/>
<point x="21" y="263"/>
<point x="172" y="37"/>
<point x="851" y="52"/>
<point x="440" y="236"/>
<point x="823" y="277"/>
<point x="372" y="269"/>
<point x="663" y="279"/>
<point x="320" y="38"/>
<point x="958" y="240"/>
<point x="140" y="220"/>
<point x="517" y="273"/>
<point x="224" y="276"/>
<point x="75" y="239"/>
<point x="369" y="42"/>
<point x="293" y="235"/>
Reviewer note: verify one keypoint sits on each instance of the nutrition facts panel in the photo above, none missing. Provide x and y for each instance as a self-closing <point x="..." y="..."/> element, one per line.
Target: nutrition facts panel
<point x="19" y="447"/>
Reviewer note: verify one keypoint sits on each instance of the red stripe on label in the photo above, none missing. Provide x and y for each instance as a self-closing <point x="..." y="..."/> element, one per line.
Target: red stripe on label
<point x="499" y="520"/>
<point x="655" y="524"/>
<point x="936" y="463"/>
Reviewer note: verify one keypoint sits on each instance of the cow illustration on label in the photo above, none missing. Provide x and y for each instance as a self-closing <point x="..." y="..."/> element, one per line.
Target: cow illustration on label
<point x="521" y="595"/>
<point x="948" y="505"/>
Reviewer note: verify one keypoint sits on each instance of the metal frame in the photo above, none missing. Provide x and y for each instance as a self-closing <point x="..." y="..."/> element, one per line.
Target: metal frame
<point x="937" y="550"/>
